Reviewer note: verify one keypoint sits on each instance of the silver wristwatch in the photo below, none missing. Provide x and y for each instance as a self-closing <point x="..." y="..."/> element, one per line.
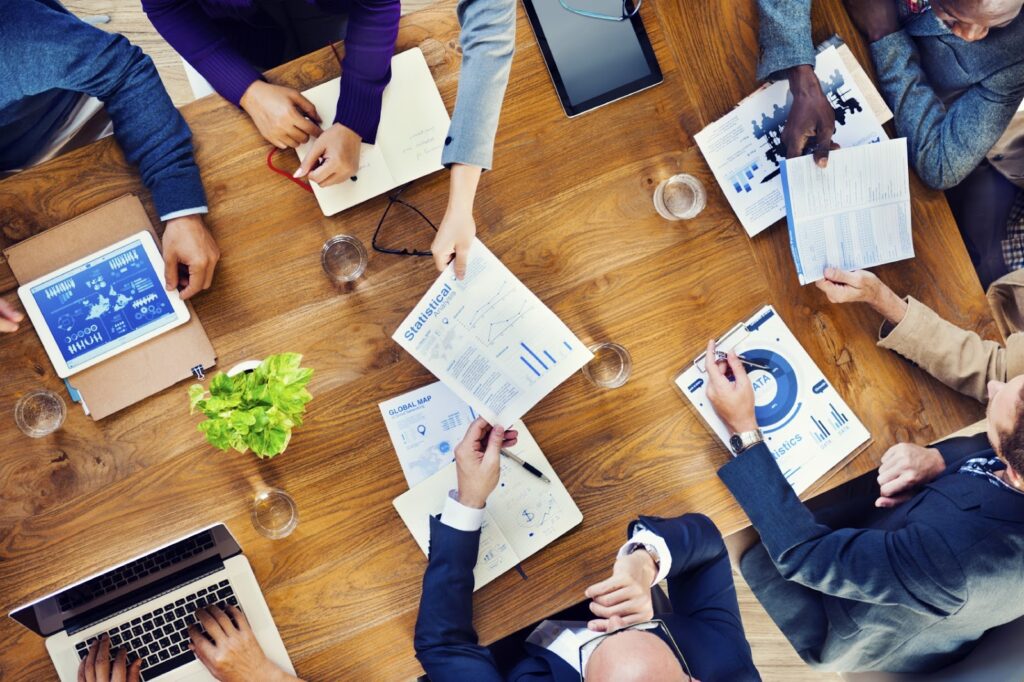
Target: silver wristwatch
<point x="741" y="442"/>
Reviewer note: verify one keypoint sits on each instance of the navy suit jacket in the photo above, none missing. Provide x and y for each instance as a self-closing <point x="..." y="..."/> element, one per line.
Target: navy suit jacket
<point x="705" y="619"/>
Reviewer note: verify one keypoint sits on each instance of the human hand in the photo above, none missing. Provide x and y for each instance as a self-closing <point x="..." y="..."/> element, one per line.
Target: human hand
<point x="97" y="666"/>
<point x="282" y="115"/>
<point x="233" y="655"/>
<point x="455" y="235"/>
<point x="904" y="467"/>
<point x="624" y="598"/>
<point x="733" y="401"/>
<point x="862" y="286"/>
<point x="188" y="243"/>
<point x="339" y="147"/>
<point x="810" y="116"/>
<point x="874" y="18"/>
<point x="478" y="461"/>
<point x="9" y="317"/>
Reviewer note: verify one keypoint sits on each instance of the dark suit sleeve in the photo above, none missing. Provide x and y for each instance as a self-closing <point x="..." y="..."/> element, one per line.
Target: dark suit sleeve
<point x="445" y="641"/>
<point x="911" y="567"/>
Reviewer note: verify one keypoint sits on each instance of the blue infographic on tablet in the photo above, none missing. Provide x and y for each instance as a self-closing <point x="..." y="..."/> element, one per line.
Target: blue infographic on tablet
<point x="103" y="303"/>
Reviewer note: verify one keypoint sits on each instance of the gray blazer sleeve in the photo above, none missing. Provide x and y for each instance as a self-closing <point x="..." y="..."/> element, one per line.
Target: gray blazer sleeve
<point x="488" y="41"/>
<point x="784" y="36"/>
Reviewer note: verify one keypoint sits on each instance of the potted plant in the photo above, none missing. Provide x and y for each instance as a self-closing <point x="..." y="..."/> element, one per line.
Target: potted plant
<point x="254" y="407"/>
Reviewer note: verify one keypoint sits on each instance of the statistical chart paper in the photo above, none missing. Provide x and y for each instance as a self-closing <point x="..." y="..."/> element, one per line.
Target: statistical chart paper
<point x="490" y="339"/>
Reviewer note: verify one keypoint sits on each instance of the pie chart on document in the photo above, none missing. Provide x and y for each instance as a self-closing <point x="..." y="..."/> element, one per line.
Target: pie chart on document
<point x="775" y="390"/>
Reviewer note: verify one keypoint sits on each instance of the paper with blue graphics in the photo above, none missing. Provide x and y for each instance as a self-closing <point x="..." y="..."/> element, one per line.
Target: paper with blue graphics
<point x="807" y="425"/>
<point x="490" y="339"/>
<point x="523" y="514"/>
<point x="425" y="425"/>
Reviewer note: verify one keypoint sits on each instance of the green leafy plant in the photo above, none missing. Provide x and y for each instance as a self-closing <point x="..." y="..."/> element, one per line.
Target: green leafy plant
<point x="254" y="410"/>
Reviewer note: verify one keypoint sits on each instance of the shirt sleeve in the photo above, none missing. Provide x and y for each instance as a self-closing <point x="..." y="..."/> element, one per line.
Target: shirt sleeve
<point x="642" y="536"/>
<point x="460" y="517"/>
<point x="784" y="36"/>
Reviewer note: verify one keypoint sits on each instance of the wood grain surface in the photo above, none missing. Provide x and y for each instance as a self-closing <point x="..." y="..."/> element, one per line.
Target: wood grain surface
<point x="568" y="208"/>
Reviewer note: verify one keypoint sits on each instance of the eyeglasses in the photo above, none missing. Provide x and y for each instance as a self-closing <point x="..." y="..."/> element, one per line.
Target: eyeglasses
<point x="626" y="13"/>
<point x="396" y="198"/>
<point x="656" y="627"/>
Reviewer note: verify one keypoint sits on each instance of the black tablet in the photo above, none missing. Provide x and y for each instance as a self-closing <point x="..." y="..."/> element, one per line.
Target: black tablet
<point x="592" y="61"/>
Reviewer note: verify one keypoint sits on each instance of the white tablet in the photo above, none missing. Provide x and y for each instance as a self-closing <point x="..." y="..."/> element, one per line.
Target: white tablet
<point x="103" y="304"/>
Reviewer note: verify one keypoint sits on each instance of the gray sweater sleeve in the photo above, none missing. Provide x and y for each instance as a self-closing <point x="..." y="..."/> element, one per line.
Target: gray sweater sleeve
<point x="784" y="36"/>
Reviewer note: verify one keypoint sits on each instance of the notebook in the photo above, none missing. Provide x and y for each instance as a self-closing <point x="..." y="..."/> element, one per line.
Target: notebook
<point x="410" y="137"/>
<point x="523" y="514"/>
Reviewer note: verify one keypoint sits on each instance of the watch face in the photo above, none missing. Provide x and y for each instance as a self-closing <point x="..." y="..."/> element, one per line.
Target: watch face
<point x="736" y="443"/>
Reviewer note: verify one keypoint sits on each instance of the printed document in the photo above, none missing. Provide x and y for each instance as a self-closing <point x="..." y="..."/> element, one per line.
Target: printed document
<point x="744" y="148"/>
<point x="410" y="137"/>
<point x="490" y="339"/>
<point x="523" y="514"/>
<point x="851" y="215"/>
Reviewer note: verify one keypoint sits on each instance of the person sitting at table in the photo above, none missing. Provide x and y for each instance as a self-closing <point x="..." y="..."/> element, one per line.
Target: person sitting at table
<point x="912" y="581"/>
<point x="228" y="649"/>
<point x="64" y="84"/>
<point x="702" y="637"/>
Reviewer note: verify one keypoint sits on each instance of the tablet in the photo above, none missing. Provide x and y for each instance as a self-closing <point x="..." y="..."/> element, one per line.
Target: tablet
<point x="103" y="304"/>
<point x="592" y="61"/>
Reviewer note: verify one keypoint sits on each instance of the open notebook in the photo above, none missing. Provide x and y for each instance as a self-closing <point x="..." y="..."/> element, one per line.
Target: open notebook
<point x="523" y="514"/>
<point x="410" y="137"/>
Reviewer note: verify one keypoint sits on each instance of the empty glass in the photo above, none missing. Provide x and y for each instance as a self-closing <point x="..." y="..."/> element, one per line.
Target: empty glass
<point x="274" y="514"/>
<point x="39" y="413"/>
<point x="343" y="258"/>
<point x="610" y="367"/>
<point x="680" y="197"/>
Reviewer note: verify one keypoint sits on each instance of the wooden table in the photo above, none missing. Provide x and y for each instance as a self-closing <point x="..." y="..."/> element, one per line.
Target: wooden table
<point x="568" y="208"/>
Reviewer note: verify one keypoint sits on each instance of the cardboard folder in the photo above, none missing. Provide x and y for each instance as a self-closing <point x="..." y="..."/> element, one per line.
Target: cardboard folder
<point x="139" y="372"/>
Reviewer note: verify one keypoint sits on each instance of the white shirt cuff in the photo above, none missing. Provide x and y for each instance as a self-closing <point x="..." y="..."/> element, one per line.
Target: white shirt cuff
<point x="460" y="517"/>
<point x="641" y="536"/>
<point x="183" y="212"/>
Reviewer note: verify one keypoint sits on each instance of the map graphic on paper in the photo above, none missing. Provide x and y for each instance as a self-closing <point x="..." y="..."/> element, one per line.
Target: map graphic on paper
<point x="807" y="425"/>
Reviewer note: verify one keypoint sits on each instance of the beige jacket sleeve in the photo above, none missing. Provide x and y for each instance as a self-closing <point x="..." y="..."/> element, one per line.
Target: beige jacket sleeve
<point x="958" y="358"/>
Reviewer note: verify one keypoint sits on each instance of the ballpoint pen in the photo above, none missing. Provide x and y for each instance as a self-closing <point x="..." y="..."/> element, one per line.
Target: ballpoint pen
<point x="526" y="465"/>
<point x="719" y="355"/>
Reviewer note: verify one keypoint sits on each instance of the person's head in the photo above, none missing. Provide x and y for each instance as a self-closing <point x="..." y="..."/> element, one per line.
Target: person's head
<point x="1005" y="416"/>
<point x="971" y="20"/>
<point x="634" y="656"/>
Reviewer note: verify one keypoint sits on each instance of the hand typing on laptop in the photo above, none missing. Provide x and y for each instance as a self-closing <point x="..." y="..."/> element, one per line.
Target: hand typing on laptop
<point x="98" y="667"/>
<point x="229" y="649"/>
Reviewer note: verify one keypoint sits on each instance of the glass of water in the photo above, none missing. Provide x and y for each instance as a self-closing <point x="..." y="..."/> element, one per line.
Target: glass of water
<point x="343" y="258"/>
<point x="274" y="514"/>
<point x="680" y="197"/>
<point x="39" y="413"/>
<point x="610" y="367"/>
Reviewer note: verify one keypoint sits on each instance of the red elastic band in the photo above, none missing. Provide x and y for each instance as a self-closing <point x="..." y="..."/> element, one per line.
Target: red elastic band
<point x="270" y="164"/>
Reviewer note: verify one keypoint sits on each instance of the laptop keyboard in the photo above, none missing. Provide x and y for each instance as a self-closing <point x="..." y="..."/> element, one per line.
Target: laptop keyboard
<point x="160" y="637"/>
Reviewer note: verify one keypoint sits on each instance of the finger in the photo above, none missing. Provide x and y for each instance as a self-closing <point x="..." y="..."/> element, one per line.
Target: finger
<point x="210" y="267"/>
<point x="494" y="441"/>
<point x="598" y="625"/>
<point x="292" y="138"/>
<point x="795" y="143"/>
<point x="619" y="596"/>
<point x="81" y="670"/>
<point x="7" y="311"/>
<point x="196" y="279"/>
<point x="222" y="618"/>
<point x="897" y="485"/>
<point x="119" y="673"/>
<point x="615" y="623"/>
<point x="476" y="430"/>
<point x="306" y="128"/>
<point x="240" y="620"/>
<point x="306" y="107"/>
<point x="840" y="276"/>
<point x="135" y="670"/>
<point x="210" y="624"/>
<point x="739" y="372"/>
<point x="325" y="170"/>
<point x="308" y="163"/>
<point x="90" y="662"/>
<point x="103" y="660"/>
<point x="715" y="373"/>
<point x="823" y="146"/>
<point x="441" y="255"/>
<point x="170" y="270"/>
<point x="604" y="587"/>
<point x="7" y="326"/>
<point x="200" y="646"/>
<point x="891" y="501"/>
<point x="461" y="256"/>
<point x="888" y="473"/>
<point x="890" y="453"/>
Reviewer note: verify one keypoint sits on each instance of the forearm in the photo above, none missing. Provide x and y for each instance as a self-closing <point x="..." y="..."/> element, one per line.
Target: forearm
<point x="366" y="69"/>
<point x="784" y="36"/>
<point x="462" y="187"/>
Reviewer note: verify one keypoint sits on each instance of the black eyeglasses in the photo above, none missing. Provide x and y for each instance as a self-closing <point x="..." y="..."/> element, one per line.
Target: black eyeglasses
<point x="626" y="13"/>
<point x="396" y="198"/>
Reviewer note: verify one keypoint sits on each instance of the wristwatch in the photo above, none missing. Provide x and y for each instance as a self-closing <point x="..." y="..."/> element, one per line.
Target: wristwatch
<point x="649" y="548"/>
<point x="740" y="442"/>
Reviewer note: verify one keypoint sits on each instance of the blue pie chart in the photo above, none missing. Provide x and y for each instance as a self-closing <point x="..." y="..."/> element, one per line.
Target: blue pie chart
<point x="780" y="376"/>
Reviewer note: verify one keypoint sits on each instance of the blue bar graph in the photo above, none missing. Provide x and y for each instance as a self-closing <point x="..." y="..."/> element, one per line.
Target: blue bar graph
<point x="533" y="355"/>
<point x="567" y="346"/>
<point x="838" y="418"/>
<point x="741" y="180"/>
<point x="532" y="368"/>
<point x="822" y="434"/>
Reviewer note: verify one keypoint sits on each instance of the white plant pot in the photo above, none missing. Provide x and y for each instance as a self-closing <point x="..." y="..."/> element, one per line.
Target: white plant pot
<point x="246" y="366"/>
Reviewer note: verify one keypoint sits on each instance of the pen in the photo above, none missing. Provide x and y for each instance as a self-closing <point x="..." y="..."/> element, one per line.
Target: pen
<point x="719" y="355"/>
<point x="526" y="465"/>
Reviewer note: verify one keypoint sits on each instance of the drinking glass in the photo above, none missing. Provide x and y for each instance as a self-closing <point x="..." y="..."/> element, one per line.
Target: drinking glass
<point x="274" y="514"/>
<point x="39" y="413"/>
<point x="680" y="197"/>
<point x="343" y="258"/>
<point x="610" y="366"/>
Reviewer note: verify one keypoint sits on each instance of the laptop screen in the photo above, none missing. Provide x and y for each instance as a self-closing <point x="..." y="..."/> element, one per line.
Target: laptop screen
<point x="128" y="584"/>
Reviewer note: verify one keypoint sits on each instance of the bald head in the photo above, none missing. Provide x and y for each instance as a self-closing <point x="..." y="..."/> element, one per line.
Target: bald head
<point x="634" y="656"/>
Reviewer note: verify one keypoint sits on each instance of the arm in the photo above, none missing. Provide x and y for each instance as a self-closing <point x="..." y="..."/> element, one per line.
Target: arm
<point x="784" y="36"/>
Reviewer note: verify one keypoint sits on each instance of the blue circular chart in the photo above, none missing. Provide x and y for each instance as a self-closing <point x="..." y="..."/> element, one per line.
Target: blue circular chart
<point x="775" y="389"/>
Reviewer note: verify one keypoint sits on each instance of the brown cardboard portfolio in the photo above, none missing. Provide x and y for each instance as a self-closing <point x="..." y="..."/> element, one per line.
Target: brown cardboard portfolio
<point x="139" y="372"/>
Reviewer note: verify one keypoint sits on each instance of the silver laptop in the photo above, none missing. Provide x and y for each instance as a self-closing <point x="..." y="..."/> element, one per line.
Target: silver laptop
<point x="146" y="605"/>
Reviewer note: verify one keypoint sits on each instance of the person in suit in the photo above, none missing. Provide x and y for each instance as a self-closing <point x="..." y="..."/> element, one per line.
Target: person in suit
<point x="912" y="580"/>
<point x="702" y="637"/>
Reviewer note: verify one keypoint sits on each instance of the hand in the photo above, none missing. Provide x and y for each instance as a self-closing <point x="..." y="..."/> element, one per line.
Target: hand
<point x="733" y="401"/>
<point x="97" y="666"/>
<point x="626" y="596"/>
<point x="906" y="466"/>
<point x="862" y="286"/>
<point x="874" y="18"/>
<point x="478" y="461"/>
<point x="9" y="317"/>
<point x="455" y="235"/>
<point x="234" y="655"/>
<point x="810" y="116"/>
<point x="338" y="147"/>
<point x="188" y="244"/>
<point x="282" y="115"/>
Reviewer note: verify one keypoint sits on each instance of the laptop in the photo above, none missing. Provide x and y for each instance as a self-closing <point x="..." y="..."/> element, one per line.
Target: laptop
<point x="146" y="605"/>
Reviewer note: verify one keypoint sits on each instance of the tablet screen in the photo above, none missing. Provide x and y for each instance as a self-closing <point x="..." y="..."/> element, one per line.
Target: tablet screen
<point x="104" y="303"/>
<point x="594" y="58"/>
